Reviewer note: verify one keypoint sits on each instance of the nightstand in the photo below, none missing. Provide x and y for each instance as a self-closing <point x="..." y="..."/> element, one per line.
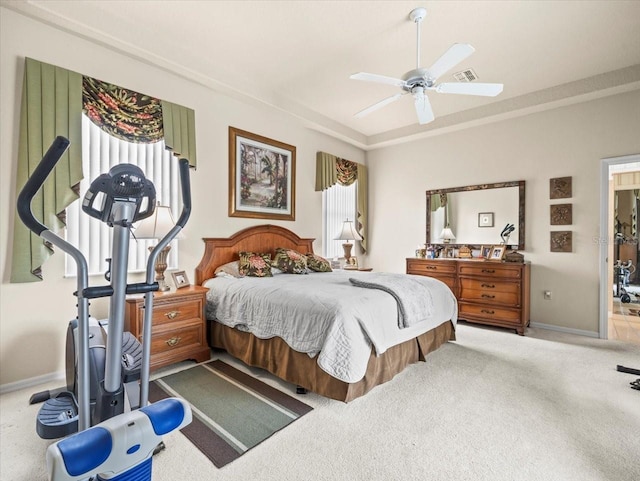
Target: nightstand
<point x="179" y="331"/>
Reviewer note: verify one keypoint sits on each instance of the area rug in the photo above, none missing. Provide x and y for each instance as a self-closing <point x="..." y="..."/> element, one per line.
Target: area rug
<point x="232" y="411"/>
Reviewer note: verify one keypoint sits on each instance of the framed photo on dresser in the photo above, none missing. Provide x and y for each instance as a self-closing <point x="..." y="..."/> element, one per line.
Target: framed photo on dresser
<point x="497" y="253"/>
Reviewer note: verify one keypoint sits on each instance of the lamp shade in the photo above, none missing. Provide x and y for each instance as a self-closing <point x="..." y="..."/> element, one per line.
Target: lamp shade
<point x="447" y="234"/>
<point x="157" y="225"/>
<point x="348" y="232"/>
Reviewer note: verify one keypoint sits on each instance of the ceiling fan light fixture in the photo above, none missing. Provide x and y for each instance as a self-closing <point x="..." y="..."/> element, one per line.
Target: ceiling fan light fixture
<point x="418" y="80"/>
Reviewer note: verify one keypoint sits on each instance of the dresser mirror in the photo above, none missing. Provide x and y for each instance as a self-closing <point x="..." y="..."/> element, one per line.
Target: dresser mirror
<point x="476" y="214"/>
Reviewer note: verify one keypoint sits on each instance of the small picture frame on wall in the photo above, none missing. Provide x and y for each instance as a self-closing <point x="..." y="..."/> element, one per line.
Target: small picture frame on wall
<point x="560" y="188"/>
<point x="180" y="279"/>
<point x="485" y="219"/>
<point x="561" y="214"/>
<point x="497" y="252"/>
<point x="562" y="241"/>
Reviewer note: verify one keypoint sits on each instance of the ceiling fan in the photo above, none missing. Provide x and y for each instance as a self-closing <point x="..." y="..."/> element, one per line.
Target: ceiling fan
<point x="419" y="80"/>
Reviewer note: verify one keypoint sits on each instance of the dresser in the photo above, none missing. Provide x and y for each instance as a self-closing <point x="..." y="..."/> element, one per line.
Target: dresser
<point x="488" y="292"/>
<point x="179" y="331"/>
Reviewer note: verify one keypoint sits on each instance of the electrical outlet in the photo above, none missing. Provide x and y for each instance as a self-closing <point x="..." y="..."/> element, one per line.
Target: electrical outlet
<point x="547" y="295"/>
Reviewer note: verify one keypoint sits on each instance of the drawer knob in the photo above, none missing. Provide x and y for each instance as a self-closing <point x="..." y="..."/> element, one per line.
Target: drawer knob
<point x="490" y="286"/>
<point x="488" y="271"/>
<point x="173" y="341"/>
<point x="431" y="267"/>
<point x="172" y="314"/>
<point x="487" y="311"/>
<point x="488" y="296"/>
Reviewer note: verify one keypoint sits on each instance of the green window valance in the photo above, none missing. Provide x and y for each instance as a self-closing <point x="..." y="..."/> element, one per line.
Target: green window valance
<point x="331" y="170"/>
<point x="53" y="100"/>
<point x="122" y="113"/>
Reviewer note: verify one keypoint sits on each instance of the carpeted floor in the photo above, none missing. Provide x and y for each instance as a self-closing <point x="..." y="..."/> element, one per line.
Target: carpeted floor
<point x="491" y="406"/>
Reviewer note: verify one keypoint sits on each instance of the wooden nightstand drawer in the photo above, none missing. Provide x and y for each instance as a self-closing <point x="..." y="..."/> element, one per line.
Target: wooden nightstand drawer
<point x="177" y="311"/>
<point x="177" y="339"/>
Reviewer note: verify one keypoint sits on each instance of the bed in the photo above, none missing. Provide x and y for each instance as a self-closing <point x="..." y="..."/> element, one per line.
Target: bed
<point x="311" y="369"/>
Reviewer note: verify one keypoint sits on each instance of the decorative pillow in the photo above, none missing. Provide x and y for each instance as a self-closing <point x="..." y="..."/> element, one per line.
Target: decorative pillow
<point x="255" y="265"/>
<point x="230" y="268"/>
<point x="290" y="261"/>
<point x="317" y="263"/>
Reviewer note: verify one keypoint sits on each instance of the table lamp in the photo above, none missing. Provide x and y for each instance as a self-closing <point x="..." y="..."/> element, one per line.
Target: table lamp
<point x="447" y="235"/>
<point x="348" y="233"/>
<point x="157" y="226"/>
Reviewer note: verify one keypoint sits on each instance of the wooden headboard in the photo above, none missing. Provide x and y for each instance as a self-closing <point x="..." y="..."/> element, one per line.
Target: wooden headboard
<point x="262" y="238"/>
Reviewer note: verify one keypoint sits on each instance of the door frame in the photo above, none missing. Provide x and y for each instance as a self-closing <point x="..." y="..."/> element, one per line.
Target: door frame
<point x="605" y="236"/>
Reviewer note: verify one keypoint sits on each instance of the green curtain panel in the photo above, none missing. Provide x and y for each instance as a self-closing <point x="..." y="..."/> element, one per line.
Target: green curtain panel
<point x="51" y="106"/>
<point x="326" y="172"/>
<point x="180" y="131"/>
<point x="53" y="100"/>
<point x="363" y="212"/>
<point x="331" y="170"/>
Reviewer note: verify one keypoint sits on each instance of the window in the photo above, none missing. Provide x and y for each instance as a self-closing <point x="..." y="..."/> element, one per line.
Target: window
<point x="100" y="152"/>
<point x="338" y="204"/>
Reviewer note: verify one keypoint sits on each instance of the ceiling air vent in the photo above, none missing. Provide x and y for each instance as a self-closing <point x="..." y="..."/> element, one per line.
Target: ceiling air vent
<point x="466" y="76"/>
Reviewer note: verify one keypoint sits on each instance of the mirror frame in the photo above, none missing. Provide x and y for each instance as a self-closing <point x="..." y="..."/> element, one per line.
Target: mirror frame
<point x="498" y="185"/>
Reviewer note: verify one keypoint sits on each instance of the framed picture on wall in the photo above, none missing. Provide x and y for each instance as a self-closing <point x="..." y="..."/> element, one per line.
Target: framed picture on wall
<point x="485" y="219"/>
<point x="262" y="177"/>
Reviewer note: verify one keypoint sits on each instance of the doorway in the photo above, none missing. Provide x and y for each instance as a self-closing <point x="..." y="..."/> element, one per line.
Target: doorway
<point x="619" y="249"/>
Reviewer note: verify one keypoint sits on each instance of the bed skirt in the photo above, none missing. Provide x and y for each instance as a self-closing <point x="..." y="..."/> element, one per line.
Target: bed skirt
<point x="298" y="368"/>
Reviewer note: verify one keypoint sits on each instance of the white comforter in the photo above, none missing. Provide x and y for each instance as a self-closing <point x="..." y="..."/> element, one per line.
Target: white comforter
<point x="323" y="313"/>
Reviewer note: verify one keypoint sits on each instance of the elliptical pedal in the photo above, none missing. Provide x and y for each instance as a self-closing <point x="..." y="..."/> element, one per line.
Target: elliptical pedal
<point x="58" y="416"/>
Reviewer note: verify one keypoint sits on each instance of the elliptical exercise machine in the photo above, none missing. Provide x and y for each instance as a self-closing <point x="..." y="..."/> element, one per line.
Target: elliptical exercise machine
<point x="120" y="444"/>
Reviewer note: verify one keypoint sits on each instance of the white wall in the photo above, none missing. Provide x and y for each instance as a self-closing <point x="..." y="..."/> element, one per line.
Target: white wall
<point x="33" y="316"/>
<point x="568" y="141"/>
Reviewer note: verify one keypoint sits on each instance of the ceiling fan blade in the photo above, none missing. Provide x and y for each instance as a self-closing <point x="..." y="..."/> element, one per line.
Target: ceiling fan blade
<point x="379" y="105"/>
<point x="452" y="57"/>
<point x="484" y="89"/>
<point x="381" y="79"/>
<point x="423" y="108"/>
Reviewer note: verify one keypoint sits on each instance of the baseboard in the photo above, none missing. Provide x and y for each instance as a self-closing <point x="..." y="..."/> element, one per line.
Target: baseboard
<point x="568" y="330"/>
<point x="32" y="381"/>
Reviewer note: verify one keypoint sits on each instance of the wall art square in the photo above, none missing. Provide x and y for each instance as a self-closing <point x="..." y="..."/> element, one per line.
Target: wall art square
<point x="561" y="241"/>
<point x="561" y="214"/>
<point x="485" y="219"/>
<point x="560" y="188"/>
<point x="262" y="175"/>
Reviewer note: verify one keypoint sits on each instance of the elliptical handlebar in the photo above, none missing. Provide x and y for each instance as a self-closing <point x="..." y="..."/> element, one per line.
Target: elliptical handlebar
<point x="185" y="183"/>
<point x="36" y="180"/>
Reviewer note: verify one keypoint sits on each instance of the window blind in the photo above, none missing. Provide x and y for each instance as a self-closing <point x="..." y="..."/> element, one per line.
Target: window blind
<point x="100" y="152"/>
<point x="338" y="204"/>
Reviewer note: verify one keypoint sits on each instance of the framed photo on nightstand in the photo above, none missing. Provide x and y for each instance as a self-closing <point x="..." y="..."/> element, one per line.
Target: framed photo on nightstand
<point x="180" y="279"/>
